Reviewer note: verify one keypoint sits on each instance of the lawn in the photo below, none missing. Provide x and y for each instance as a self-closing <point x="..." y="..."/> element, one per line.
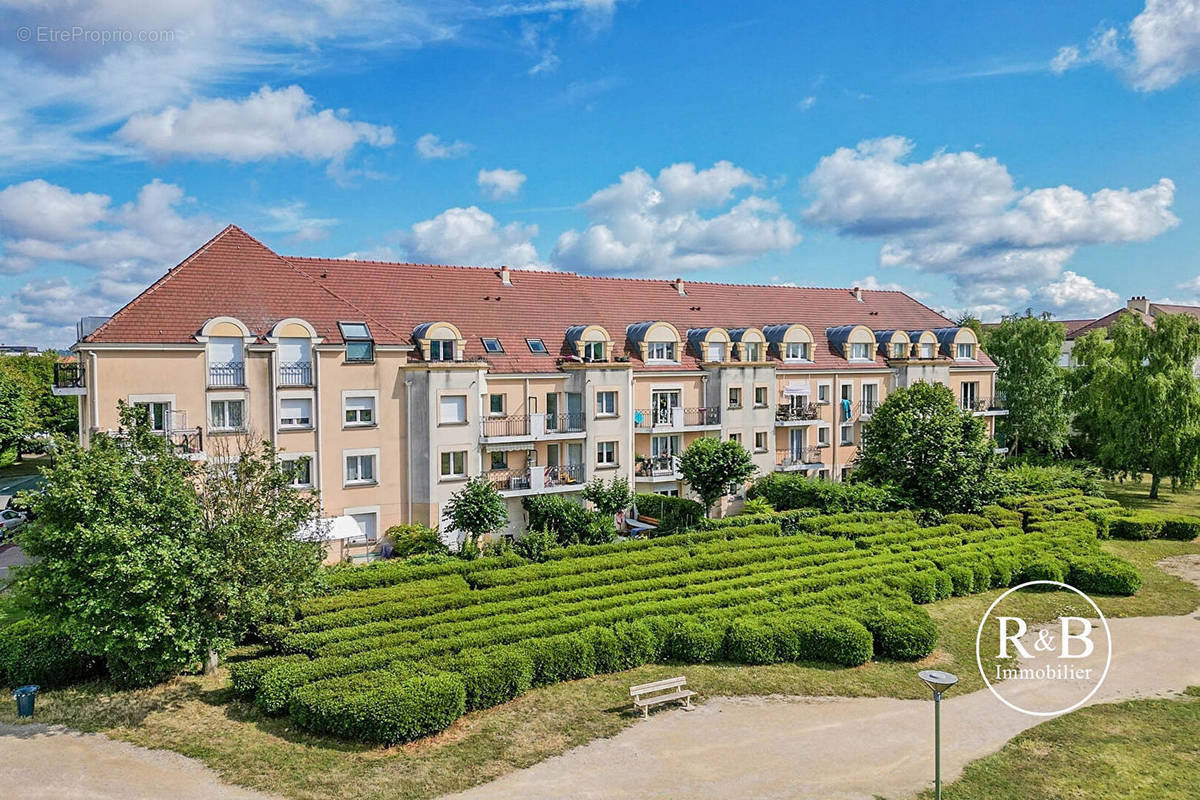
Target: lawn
<point x="1136" y="495"/>
<point x="1136" y="749"/>
<point x="197" y="717"/>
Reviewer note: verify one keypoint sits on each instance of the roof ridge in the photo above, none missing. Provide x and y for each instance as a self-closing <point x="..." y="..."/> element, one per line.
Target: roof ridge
<point x="170" y="273"/>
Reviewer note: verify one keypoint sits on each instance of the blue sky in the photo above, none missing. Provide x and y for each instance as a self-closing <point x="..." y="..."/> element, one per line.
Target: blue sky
<point x="984" y="157"/>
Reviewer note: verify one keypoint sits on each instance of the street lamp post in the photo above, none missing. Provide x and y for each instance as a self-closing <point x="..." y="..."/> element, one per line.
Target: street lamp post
<point x="939" y="682"/>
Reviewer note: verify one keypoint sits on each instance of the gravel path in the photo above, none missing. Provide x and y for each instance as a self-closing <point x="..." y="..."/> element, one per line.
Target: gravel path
<point x="778" y="747"/>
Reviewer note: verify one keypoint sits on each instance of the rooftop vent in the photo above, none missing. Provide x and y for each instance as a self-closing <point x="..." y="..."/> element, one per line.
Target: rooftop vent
<point x="506" y="276"/>
<point x="679" y="287"/>
<point x="857" y="294"/>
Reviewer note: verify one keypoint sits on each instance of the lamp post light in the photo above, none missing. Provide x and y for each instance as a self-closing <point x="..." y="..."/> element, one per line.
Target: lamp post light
<point x="939" y="682"/>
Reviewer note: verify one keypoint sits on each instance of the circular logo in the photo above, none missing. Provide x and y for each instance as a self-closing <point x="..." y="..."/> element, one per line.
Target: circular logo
<point x="1042" y="669"/>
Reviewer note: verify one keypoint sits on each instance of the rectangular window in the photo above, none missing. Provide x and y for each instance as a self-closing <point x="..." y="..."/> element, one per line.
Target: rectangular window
<point x="760" y="442"/>
<point x="927" y="350"/>
<point x="606" y="454"/>
<point x="899" y="350"/>
<point x="735" y="397"/>
<point x="536" y="346"/>
<point x="735" y="437"/>
<point x="496" y="405"/>
<point x="492" y="345"/>
<point x="593" y="351"/>
<point x="822" y="435"/>
<point x="359" y="344"/>
<point x="499" y="459"/>
<point x="360" y="469"/>
<point x="367" y="525"/>
<point x="606" y="404"/>
<point x="823" y="393"/>
<point x="760" y="397"/>
<point x="716" y="351"/>
<point x="847" y="434"/>
<point x="360" y="410"/>
<point x="796" y="351"/>
<point x="295" y="412"/>
<point x="158" y="415"/>
<point x="860" y="351"/>
<point x="454" y="464"/>
<point x="665" y="446"/>
<point x="298" y="471"/>
<point x="441" y="349"/>
<point x="752" y="351"/>
<point x="660" y="351"/>
<point x="225" y="415"/>
<point x="966" y="351"/>
<point x="453" y="409"/>
<point x="970" y="394"/>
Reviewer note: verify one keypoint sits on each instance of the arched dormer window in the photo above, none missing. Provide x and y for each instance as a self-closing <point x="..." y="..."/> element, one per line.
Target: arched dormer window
<point x="750" y="344"/>
<point x="793" y="343"/>
<point x="894" y="344"/>
<point x="657" y="342"/>
<point x="924" y="344"/>
<point x="856" y="342"/>
<point x="712" y="345"/>
<point x="590" y="342"/>
<point x="960" y="344"/>
<point x="225" y="340"/>
<point x="439" y="341"/>
<point x="294" y="339"/>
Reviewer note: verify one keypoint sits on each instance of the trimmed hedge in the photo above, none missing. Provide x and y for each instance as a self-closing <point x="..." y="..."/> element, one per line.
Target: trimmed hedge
<point x="903" y="633"/>
<point x="1152" y="525"/>
<point x="673" y="513"/>
<point x="495" y="676"/>
<point x="789" y="490"/>
<point x="565" y="657"/>
<point x="246" y="675"/>
<point x="380" y="707"/>
<point x="32" y="650"/>
<point x="695" y="641"/>
<point x="1102" y="574"/>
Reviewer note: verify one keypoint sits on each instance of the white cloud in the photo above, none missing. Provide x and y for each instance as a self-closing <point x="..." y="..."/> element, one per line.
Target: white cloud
<point x="961" y="215"/>
<point x="1075" y="295"/>
<point x="647" y="224"/>
<point x="430" y="147"/>
<point x="123" y="248"/>
<point x="269" y="123"/>
<point x="873" y="283"/>
<point x="470" y="237"/>
<point x="807" y="103"/>
<point x="500" y="183"/>
<point x="1160" y="47"/>
<point x="293" y="218"/>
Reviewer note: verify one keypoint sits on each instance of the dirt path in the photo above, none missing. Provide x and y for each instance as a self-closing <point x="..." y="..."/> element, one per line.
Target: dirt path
<point x="776" y="747"/>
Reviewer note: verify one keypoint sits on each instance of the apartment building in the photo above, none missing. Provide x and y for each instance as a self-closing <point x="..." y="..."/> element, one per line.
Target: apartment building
<point x="1140" y="306"/>
<point x="388" y="385"/>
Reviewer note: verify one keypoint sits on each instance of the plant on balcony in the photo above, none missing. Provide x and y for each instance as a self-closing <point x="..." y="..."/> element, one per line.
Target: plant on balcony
<point x="1026" y="350"/>
<point x="711" y="466"/>
<point x="477" y="510"/>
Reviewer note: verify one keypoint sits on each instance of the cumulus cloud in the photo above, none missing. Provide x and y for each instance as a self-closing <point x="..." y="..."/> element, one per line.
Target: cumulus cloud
<point x="1075" y="295"/>
<point x="269" y="123"/>
<point x="472" y="237"/>
<point x="120" y="248"/>
<point x="960" y="214"/>
<point x="431" y="147"/>
<point x="1159" y="48"/>
<point x="294" y="219"/>
<point x="655" y="224"/>
<point x="501" y="183"/>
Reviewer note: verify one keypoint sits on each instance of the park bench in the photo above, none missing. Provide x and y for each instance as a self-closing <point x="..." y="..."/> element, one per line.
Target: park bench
<point x="647" y="694"/>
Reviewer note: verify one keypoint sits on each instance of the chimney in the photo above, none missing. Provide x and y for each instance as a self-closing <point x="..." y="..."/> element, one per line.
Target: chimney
<point x="857" y="294"/>
<point x="1140" y="304"/>
<point x="505" y="275"/>
<point x="679" y="287"/>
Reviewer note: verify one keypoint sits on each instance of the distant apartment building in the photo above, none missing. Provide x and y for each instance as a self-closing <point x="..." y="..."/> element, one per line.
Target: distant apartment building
<point x="1142" y="307"/>
<point x="389" y="385"/>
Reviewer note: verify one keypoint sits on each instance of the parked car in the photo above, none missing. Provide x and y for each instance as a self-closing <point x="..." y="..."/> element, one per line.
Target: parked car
<point x="10" y="521"/>
<point x="20" y="502"/>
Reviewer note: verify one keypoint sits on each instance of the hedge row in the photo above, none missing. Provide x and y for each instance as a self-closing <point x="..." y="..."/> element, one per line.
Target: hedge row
<point x="1152" y="525"/>
<point x="32" y="650"/>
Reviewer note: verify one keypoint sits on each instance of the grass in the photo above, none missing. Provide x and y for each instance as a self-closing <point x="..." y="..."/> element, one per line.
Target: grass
<point x="28" y="465"/>
<point x="1136" y="494"/>
<point x="196" y="715"/>
<point x="1136" y="749"/>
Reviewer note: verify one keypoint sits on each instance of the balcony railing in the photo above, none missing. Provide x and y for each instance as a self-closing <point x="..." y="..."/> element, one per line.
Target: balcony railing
<point x="536" y="478"/>
<point x="68" y="378"/>
<point x="798" y="456"/>
<point x="230" y="374"/>
<point x="866" y="408"/>
<point x="982" y="404"/>
<point x="183" y="441"/>
<point x="504" y="480"/>
<point x="564" y="474"/>
<point x="676" y="417"/>
<point x="295" y="373"/>
<point x="658" y="466"/>
<point x="796" y="413"/>
<point x="564" y="423"/>
<point x="532" y="425"/>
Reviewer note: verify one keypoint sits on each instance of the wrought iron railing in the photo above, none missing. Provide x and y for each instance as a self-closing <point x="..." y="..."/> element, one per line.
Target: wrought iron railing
<point x="792" y="413"/>
<point x="568" y="423"/>
<point x="672" y="417"/>
<point x="797" y="456"/>
<point x="69" y="375"/>
<point x="515" y="425"/>
<point x="564" y="474"/>
<point x="981" y="404"/>
<point x="228" y="374"/>
<point x="295" y="373"/>
<point x="508" y="479"/>
<point x="657" y="466"/>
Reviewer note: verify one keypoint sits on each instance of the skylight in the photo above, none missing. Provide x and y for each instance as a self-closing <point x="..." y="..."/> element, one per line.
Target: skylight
<point x="359" y="344"/>
<point x="492" y="344"/>
<point x="536" y="346"/>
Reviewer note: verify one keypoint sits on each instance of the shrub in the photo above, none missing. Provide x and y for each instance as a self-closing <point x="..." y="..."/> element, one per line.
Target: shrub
<point x="569" y="521"/>
<point x="560" y="658"/>
<point x="636" y="642"/>
<point x="1045" y="568"/>
<point x="1105" y="575"/>
<point x="790" y="490"/>
<point x="1183" y="529"/>
<point x="971" y="522"/>
<point x="605" y="648"/>
<point x="820" y="635"/>
<point x="244" y="676"/>
<point x="673" y="513"/>
<point x="922" y="586"/>
<point x="962" y="579"/>
<point x="900" y="632"/>
<point x="32" y="650"/>
<point x="536" y="545"/>
<point x="695" y="641"/>
<point x="749" y="640"/>
<point x="1027" y="479"/>
<point x="1145" y="525"/>
<point x="380" y="707"/>
<point x="414" y="539"/>
<point x="494" y="676"/>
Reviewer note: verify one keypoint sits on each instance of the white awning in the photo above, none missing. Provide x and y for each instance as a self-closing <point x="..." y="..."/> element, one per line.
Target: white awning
<point x="508" y="447"/>
<point x="330" y="529"/>
<point x="797" y="388"/>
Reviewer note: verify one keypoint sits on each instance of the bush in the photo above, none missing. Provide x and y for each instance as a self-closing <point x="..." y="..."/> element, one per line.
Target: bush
<point x="32" y="650"/>
<point x="560" y="658"/>
<point x="790" y="490"/>
<point x="900" y="632"/>
<point x="380" y="707"/>
<point x="962" y="579"/>
<point x="1045" y="568"/>
<point x="1101" y="574"/>
<point x="1182" y="529"/>
<point x="637" y="642"/>
<point x="695" y="641"/>
<point x="244" y="676"/>
<point x="673" y="513"/>
<point x="495" y="676"/>
<point x="751" y="640"/>
<point x="820" y="635"/>
<point x="415" y="539"/>
<point x="535" y="545"/>
<point x="1145" y="525"/>
<point x="606" y="648"/>
<point x="569" y="521"/>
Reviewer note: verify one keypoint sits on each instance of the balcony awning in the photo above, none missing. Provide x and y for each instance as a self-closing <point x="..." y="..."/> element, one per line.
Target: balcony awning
<point x="797" y="388"/>
<point x="508" y="447"/>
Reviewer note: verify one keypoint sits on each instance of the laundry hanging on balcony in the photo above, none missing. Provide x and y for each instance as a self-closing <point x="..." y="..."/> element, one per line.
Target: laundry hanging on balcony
<point x="845" y="409"/>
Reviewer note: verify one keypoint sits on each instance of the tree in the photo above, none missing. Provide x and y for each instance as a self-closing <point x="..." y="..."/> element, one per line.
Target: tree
<point x="1138" y="400"/>
<point x="933" y="453"/>
<point x="41" y="411"/>
<point x="18" y="410"/>
<point x="151" y="563"/>
<point x="967" y="320"/>
<point x="1026" y="350"/>
<point x="476" y="510"/>
<point x="609" y="498"/>
<point x="711" y="466"/>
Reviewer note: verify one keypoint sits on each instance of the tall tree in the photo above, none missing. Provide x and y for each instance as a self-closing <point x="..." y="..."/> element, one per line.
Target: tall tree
<point x="18" y="409"/>
<point x="609" y="498"/>
<point x="477" y="510"/>
<point x="1140" y="404"/>
<point x="711" y="466"/>
<point x="1026" y="350"/>
<point x="968" y="320"/>
<point x="933" y="453"/>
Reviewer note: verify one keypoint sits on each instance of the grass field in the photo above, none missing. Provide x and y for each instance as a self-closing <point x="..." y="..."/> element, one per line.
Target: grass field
<point x="197" y="717"/>
<point x="1136" y="495"/>
<point x="1136" y="750"/>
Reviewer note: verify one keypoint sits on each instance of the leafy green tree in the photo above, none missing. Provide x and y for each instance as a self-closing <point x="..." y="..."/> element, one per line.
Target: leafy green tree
<point x="711" y="466"/>
<point x="609" y="498"/>
<point x="413" y="540"/>
<point x="971" y="321"/>
<point x="935" y="455"/>
<point x="477" y="510"/>
<point x="1026" y="350"/>
<point x="18" y="409"/>
<point x="1138" y="399"/>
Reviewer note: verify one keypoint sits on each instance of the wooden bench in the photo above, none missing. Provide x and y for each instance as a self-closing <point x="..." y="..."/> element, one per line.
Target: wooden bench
<point x="646" y="694"/>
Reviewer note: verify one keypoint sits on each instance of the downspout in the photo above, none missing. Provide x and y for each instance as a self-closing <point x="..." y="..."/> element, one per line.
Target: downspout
<point x="320" y="423"/>
<point x="271" y="359"/>
<point x="93" y="404"/>
<point x="408" y="468"/>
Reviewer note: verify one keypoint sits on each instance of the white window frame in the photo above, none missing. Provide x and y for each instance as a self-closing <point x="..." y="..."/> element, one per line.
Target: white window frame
<point x="733" y="389"/>
<point x="355" y="511"/>
<point x="442" y="399"/>
<point x="855" y="350"/>
<point x="601" y="411"/>
<point x="824" y="392"/>
<point x="717" y="349"/>
<point x="757" y="351"/>
<point x="823" y="435"/>
<point x="224" y="400"/>
<point x="593" y="351"/>
<point x="454" y="476"/>
<point x="763" y="447"/>
<point x="358" y="455"/>
<point x="958" y="350"/>
<point x="604" y="449"/>
<point x="845" y="439"/>
<point x="308" y="398"/>
<point x="312" y="468"/>
<point x="359" y="394"/>
<point x="442" y="344"/>
<point x="668" y="354"/>
<point x="503" y="404"/>
<point x="804" y="355"/>
<point x="766" y="393"/>
<point x="927" y="349"/>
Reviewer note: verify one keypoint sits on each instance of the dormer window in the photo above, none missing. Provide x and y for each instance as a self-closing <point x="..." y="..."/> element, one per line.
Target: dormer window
<point x="797" y="351"/>
<point x="752" y="351"/>
<point x="899" y="350"/>
<point x="593" y="351"/>
<point x="492" y="345"/>
<point x="360" y="346"/>
<point x="660" y="351"/>
<point x="860" y="351"/>
<point x="441" y="349"/>
<point x="536" y="346"/>
<point x="716" y="351"/>
<point x="927" y="349"/>
<point x="966" y="351"/>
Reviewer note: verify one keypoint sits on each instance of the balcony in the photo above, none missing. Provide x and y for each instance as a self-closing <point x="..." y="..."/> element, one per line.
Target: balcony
<point x="797" y="414"/>
<point x="865" y="408"/>
<point x="658" y="468"/>
<point x="296" y="373"/>
<point x="68" y="379"/>
<point x="984" y="406"/>
<point x="676" y="418"/>
<point x="532" y="426"/>
<point x="537" y="479"/>
<point x="186" y="442"/>
<point x="232" y="373"/>
<point x="799" y="458"/>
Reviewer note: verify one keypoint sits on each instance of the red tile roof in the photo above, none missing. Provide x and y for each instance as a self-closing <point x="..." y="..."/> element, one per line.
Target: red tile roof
<point x="235" y="275"/>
